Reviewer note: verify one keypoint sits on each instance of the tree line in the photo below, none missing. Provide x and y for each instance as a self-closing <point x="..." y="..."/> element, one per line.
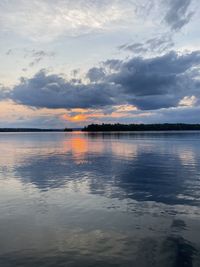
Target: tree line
<point x="140" y="127"/>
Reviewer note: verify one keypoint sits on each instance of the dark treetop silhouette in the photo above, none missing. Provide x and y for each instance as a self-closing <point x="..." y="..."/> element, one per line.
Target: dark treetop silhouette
<point x="141" y="127"/>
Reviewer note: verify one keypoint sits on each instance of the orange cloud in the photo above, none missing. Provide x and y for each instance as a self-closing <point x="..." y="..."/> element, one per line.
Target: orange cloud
<point x="125" y="108"/>
<point x="76" y="118"/>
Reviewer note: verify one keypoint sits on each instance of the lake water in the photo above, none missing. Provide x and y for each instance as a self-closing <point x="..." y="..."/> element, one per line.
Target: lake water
<point x="120" y="199"/>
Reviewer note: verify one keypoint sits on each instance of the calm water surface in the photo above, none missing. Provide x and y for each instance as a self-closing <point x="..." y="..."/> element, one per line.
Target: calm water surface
<point x="120" y="199"/>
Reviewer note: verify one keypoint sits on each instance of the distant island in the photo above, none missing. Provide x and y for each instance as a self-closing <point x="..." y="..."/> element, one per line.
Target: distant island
<point x="141" y="127"/>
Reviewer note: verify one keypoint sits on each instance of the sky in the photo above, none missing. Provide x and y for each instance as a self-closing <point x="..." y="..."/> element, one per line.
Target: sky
<point x="70" y="63"/>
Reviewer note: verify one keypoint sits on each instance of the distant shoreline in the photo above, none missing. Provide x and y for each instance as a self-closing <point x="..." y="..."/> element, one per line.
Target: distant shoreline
<point x="8" y="130"/>
<point x="115" y="128"/>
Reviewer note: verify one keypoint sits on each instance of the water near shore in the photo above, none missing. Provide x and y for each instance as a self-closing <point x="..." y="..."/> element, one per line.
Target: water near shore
<point x="120" y="199"/>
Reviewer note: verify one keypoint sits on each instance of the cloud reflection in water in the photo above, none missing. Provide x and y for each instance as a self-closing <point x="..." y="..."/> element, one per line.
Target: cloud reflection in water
<point x="118" y="199"/>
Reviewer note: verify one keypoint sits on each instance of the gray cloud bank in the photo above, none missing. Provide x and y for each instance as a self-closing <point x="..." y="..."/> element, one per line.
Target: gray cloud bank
<point x="147" y="83"/>
<point x="52" y="91"/>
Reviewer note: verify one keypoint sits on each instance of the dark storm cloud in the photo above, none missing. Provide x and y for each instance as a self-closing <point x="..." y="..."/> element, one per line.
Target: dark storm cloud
<point x="154" y="102"/>
<point x="178" y="13"/>
<point x="156" y="82"/>
<point x="148" y="83"/>
<point x="52" y="91"/>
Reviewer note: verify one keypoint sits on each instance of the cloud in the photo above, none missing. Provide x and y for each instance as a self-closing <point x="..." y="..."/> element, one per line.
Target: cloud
<point x="52" y="91"/>
<point x="188" y="101"/>
<point x="47" y="20"/>
<point x="4" y="92"/>
<point x="156" y="44"/>
<point x="29" y="19"/>
<point x="178" y="13"/>
<point x="20" y="121"/>
<point x="157" y="82"/>
<point x="175" y="115"/>
<point x="38" y="55"/>
<point x="96" y="74"/>
<point x="152" y="83"/>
